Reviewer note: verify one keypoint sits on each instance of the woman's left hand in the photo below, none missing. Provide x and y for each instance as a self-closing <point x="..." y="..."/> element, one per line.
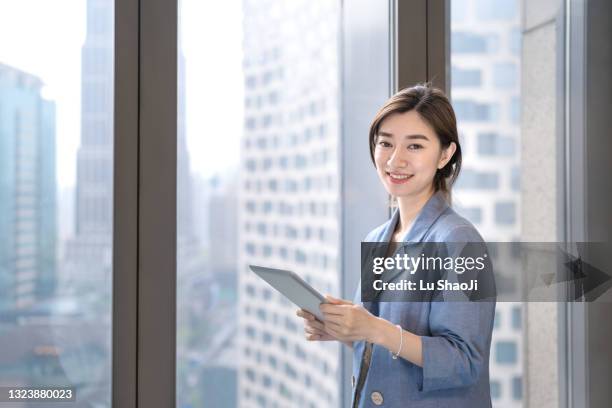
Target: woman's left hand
<point x="347" y="321"/>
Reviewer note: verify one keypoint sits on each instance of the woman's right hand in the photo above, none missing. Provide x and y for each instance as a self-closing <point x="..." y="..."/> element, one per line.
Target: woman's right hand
<point x="313" y="328"/>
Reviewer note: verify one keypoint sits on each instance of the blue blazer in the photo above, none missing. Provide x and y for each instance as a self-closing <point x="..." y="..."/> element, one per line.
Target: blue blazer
<point x="456" y="336"/>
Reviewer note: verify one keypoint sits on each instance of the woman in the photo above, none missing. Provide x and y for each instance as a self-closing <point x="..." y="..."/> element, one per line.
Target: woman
<point x="414" y="354"/>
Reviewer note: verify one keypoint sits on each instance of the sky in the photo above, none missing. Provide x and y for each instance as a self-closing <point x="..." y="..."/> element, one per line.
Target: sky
<point x="44" y="38"/>
<point x="33" y="40"/>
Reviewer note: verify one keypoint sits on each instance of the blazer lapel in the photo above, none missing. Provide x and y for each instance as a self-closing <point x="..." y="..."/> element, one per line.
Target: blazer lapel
<point x="429" y="214"/>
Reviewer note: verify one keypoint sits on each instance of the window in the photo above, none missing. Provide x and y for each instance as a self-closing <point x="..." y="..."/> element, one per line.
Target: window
<point x="464" y="42"/>
<point x="517" y="318"/>
<point x="477" y="180"/>
<point x="487" y="37"/>
<point x="505" y="352"/>
<point x="495" y="390"/>
<point x="505" y="213"/>
<point x="56" y="196"/>
<point x="497" y="10"/>
<point x="472" y="111"/>
<point x="517" y="388"/>
<point x="268" y="97"/>
<point x="493" y="144"/>
<point x="466" y="77"/>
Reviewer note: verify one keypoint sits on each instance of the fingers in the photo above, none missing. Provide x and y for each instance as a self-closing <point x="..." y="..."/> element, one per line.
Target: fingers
<point x="337" y="301"/>
<point x="332" y="309"/>
<point x="314" y="330"/>
<point x="305" y="314"/>
<point x="313" y="333"/>
<point x="313" y="337"/>
<point x="315" y="324"/>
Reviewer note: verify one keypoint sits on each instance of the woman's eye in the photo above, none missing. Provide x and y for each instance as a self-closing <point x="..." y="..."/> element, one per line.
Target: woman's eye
<point x="415" y="146"/>
<point x="384" y="144"/>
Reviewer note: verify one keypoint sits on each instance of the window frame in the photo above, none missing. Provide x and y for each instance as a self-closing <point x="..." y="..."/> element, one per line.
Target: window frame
<point x="144" y="220"/>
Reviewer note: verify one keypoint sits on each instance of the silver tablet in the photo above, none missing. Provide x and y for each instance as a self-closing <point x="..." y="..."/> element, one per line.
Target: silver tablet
<point x="292" y="287"/>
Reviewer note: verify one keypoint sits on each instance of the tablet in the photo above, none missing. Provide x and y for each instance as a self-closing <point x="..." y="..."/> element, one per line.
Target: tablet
<point x="294" y="288"/>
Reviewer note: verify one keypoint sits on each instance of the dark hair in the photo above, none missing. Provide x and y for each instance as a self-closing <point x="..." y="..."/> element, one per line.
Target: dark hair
<point x="434" y="108"/>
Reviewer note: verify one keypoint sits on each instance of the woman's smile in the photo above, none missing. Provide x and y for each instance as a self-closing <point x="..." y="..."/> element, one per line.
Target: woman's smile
<point x="398" y="178"/>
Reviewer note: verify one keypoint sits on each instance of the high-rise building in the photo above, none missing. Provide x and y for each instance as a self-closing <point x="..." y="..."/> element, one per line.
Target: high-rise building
<point x="486" y="94"/>
<point x="90" y="250"/>
<point x="288" y="202"/>
<point x="27" y="191"/>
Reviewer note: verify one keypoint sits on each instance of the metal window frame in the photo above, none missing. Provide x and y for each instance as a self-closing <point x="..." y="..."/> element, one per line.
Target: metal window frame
<point x="572" y="327"/>
<point x="587" y="358"/>
<point x="144" y="224"/>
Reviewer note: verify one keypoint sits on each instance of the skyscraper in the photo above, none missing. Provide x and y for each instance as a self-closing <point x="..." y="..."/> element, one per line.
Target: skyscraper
<point x="288" y="205"/>
<point x="27" y="191"/>
<point x="89" y="253"/>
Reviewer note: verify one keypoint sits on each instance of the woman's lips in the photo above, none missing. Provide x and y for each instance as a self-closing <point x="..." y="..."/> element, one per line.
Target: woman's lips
<point x="396" y="180"/>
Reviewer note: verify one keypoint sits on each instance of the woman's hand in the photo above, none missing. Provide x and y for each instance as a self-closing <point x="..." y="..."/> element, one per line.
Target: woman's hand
<point x="314" y="330"/>
<point x="348" y="322"/>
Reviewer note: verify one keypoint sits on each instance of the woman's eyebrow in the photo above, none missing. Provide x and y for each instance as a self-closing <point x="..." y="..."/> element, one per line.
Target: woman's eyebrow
<point x="417" y="136"/>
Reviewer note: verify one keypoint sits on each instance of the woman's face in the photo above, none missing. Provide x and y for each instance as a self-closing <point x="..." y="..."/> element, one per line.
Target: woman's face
<point x="408" y="154"/>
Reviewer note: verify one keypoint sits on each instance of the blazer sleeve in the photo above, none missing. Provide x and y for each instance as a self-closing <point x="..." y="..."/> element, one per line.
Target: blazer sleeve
<point x="458" y="349"/>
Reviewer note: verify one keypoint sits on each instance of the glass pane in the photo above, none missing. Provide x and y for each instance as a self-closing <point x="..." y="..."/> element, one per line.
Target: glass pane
<point x="258" y="184"/>
<point x="56" y="161"/>
<point x="504" y="89"/>
<point x="485" y="88"/>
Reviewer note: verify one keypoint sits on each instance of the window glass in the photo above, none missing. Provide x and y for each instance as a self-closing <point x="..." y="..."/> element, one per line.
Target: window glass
<point x="486" y="38"/>
<point x="257" y="184"/>
<point x="56" y="194"/>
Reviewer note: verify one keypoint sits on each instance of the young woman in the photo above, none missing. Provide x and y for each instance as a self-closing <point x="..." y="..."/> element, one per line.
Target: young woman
<point x="414" y="354"/>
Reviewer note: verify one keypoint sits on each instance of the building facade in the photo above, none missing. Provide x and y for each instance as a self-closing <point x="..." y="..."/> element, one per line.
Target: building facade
<point x="486" y="94"/>
<point x="288" y="205"/>
<point x="27" y="191"/>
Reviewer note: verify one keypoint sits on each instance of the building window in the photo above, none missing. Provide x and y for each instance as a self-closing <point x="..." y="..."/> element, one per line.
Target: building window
<point x="495" y="390"/>
<point x="492" y="144"/>
<point x="505" y="213"/>
<point x="468" y="110"/>
<point x="463" y="78"/>
<point x="497" y="10"/>
<point x="517" y="388"/>
<point x="505" y="352"/>
<point x="517" y="317"/>
<point x="515" y="179"/>
<point x="471" y="43"/>
<point x="478" y="180"/>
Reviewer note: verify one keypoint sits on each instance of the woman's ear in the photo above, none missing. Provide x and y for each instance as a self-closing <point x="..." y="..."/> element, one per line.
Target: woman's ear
<point x="446" y="155"/>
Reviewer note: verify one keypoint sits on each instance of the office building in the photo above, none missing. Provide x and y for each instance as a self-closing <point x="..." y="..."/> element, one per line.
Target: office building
<point x="486" y="94"/>
<point x="288" y="205"/>
<point x="27" y="193"/>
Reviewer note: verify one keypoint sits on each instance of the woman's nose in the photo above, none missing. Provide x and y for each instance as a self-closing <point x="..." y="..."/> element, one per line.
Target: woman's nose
<point x="396" y="160"/>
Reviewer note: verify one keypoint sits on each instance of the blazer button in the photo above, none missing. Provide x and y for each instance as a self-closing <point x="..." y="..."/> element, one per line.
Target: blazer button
<point x="377" y="398"/>
<point x="353" y="381"/>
